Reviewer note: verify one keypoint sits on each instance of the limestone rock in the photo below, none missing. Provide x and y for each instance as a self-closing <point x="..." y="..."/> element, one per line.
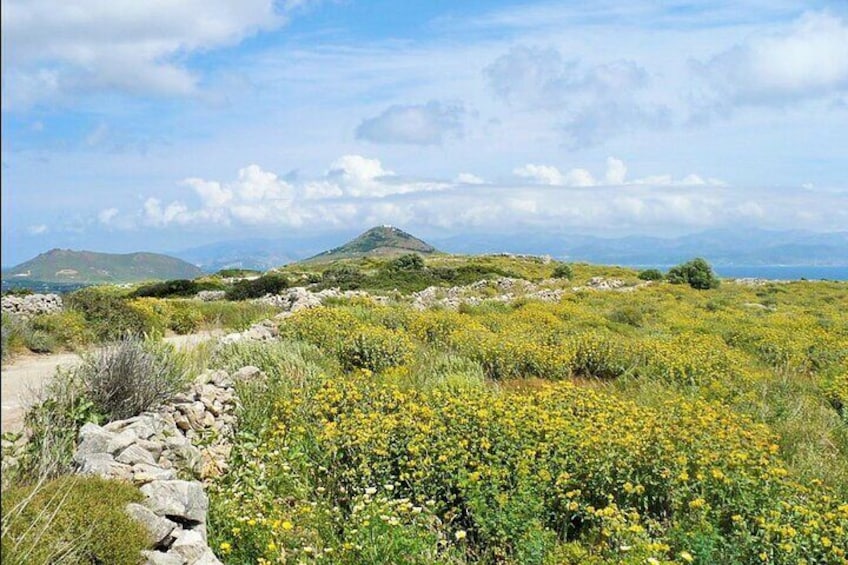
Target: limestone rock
<point x="181" y="499"/>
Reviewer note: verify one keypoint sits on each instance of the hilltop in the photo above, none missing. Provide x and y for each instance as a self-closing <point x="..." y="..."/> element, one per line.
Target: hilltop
<point x="382" y="241"/>
<point x="69" y="266"/>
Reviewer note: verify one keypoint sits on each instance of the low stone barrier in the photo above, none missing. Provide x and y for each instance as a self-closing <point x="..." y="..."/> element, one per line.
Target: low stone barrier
<point x="31" y="304"/>
<point x="157" y="452"/>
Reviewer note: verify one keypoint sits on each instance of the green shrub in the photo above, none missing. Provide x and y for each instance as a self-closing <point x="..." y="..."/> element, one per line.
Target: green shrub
<point x="234" y="273"/>
<point x="345" y="277"/>
<point x="650" y="275"/>
<point x="68" y="328"/>
<point x="130" y="376"/>
<point x="697" y="273"/>
<point x="175" y="288"/>
<point x="71" y="520"/>
<point x="408" y="262"/>
<point x="628" y="314"/>
<point x="563" y="271"/>
<point x="271" y="283"/>
<point x="185" y="318"/>
<point x="51" y="424"/>
<point x="374" y="348"/>
<point x="111" y="317"/>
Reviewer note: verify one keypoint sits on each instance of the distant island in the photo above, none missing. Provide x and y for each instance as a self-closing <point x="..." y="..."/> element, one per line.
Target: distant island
<point x="69" y="267"/>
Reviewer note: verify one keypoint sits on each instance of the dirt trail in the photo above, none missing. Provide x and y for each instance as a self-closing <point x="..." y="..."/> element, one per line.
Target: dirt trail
<point x="29" y="373"/>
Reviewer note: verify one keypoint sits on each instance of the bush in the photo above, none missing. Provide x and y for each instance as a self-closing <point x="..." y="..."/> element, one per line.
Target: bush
<point x="563" y="271"/>
<point x="271" y="283"/>
<point x="71" y="520"/>
<point x="130" y="376"/>
<point x="68" y="329"/>
<point x="185" y="318"/>
<point x="408" y="262"/>
<point x="650" y="275"/>
<point x="111" y="317"/>
<point x="345" y="277"/>
<point x="697" y="273"/>
<point x="630" y="315"/>
<point x="175" y="288"/>
<point x="61" y="408"/>
<point x="375" y="349"/>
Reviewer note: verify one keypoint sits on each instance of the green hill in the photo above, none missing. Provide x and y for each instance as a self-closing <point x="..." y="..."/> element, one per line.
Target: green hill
<point x="382" y="241"/>
<point x="68" y="266"/>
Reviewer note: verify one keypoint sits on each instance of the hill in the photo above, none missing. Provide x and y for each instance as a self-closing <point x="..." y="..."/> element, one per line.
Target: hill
<point x="382" y="241"/>
<point x="68" y="266"/>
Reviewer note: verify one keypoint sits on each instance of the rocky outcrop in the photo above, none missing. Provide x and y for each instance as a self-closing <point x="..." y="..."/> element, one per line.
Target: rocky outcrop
<point x="31" y="304"/>
<point x="159" y="451"/>
<point x="290" y="301"/>
<point x="210" y="295"/>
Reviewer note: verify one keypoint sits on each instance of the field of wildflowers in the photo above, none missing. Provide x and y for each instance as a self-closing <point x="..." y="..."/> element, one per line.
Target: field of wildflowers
<point x="665" y="425"/>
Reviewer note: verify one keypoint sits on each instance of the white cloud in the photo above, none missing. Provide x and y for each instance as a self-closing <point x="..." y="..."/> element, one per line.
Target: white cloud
<point x="56" y="48"/>
<point x="468" y="178"/>
<point x="106" y="215"/>
<point x="616" y="171"/>
<point x="358" y="191"/>
<point x="808" y="60"/>
<point x="615" y="175"/>
<point x="420" y="124"/>
<point x="541" y="174"/>
<point x="38" y="229"/>
<point x="594" y="102"/>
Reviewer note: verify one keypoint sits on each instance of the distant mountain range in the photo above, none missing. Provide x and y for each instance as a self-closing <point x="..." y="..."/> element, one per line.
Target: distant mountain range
<point x="720" y="247"/>
<point x="68" y="266"/>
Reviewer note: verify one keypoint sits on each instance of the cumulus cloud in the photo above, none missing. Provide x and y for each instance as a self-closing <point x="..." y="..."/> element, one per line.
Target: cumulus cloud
<point x="360" y="191"/>
<point x="422" y="124"/>
<point x="106" y="215"/>
<point x="58" y="48"/>
<point x="468" y="178"/>
<point x="594" y="103"/>
<point x="809" y="60"/>
<point x="615" y="175"/>
<point x="38" y="229"/>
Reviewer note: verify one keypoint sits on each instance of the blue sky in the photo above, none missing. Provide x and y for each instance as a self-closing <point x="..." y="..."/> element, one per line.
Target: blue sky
<point x="158" y="126"/>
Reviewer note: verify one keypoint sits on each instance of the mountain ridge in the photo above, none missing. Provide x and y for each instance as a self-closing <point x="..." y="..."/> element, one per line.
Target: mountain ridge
<point x="71" y="266"/>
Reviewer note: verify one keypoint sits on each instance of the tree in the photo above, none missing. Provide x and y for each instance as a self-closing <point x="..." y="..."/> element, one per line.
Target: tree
<point x="697" y="273"/>
<point x="408" y="262"/>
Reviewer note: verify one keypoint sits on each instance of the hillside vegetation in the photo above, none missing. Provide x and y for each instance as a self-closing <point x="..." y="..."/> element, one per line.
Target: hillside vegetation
<point x="65" y="266"/>
<point x="541" y="413"/>
<point x="665" y="424"/>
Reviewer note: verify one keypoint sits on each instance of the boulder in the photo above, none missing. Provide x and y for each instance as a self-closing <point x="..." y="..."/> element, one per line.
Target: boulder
<point x="184" y="500"/>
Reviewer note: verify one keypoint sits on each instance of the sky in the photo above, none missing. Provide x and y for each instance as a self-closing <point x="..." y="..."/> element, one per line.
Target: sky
<point x="163" y="125"/>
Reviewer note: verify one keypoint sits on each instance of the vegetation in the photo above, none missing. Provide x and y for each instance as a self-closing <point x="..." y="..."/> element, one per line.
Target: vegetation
<point x="75" y="520"/>
<point x="666" y="425"/>
<point x="269" y="283"/>
<point x="650" y="275"/>
<point x="179" y="288"/>
<point x="129" y="377"/>
<point x="563" y="271"/>
<point x="697" y="273"/>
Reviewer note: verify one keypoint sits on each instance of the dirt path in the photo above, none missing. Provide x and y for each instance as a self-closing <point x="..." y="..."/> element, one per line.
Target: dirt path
<point x="29" y="373"/>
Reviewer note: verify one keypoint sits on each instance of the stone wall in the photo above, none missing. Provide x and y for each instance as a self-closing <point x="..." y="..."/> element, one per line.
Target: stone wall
<point x="158" y="451"/>
<point x="31" y="304"/>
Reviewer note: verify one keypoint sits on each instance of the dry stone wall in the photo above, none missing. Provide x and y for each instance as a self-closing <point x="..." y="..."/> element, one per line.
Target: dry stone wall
<point x="169" y="454"/>
<point x="31" y="304"/>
